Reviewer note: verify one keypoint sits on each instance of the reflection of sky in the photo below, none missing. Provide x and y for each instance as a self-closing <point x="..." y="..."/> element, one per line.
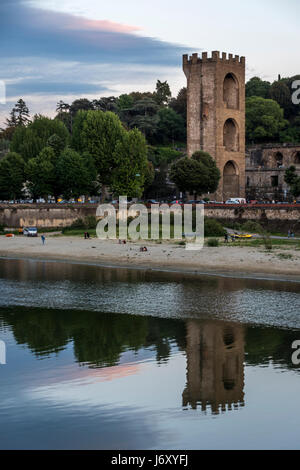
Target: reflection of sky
<point x="54" y="403"/>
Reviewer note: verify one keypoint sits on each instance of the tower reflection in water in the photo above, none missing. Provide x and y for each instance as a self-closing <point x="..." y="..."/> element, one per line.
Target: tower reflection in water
<point x="215" y="366"/>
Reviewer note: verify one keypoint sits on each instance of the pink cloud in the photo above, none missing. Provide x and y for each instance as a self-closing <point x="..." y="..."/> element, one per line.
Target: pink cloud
<point x="102" y="25"/>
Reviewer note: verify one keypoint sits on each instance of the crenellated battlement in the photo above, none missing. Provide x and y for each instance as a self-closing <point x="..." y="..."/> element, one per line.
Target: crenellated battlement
<point x="215" y="57"/>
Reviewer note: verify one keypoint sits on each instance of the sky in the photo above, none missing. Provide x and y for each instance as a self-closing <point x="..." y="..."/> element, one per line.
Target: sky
<point x="55" y="50"/>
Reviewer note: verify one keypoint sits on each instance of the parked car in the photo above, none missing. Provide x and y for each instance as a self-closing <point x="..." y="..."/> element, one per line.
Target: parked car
<point x="177" y="201"/>
<point x="152" y="201"/>
<point x="236" y="200"/>
<point x="30" y="231"/>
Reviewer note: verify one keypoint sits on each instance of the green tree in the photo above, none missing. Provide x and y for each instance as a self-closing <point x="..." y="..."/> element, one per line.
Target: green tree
<point x="100" y="135"/>
<point x="264" y="120"/>
<point x="293" y="180"/>
<point x="197" y="175"/>
<point x="56" y="143"/>
<point x="163" y="93"/>
<point x="143" y="115"/>
<point x="171" y="126"/>
<point x="106" y="104"/>
<point x="29" y="141"/>
<point x="179" y="104"/>
<point x="74" y="176"/>
<point x="81" y="104"/>
<point x="41" y="174"/>
<point x="130" y="157"/>
<point x="12" y="176"/>
<point x="281" y="93"/>
<point x="77" y="135"/>
<point x="19" y="115"/>
<point x="257" y="87"/>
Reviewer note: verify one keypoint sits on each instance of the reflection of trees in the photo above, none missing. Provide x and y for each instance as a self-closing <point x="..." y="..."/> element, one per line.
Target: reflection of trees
<point x="215" y="370"/>
<point x="265" y="344"/>
<point x="99" y="338"/>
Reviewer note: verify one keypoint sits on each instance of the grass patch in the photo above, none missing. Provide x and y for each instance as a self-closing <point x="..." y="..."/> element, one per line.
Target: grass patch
<point x="284" y="256"/>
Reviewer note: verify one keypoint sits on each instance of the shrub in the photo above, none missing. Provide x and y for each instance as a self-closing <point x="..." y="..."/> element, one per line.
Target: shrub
<point x="90" y="222"/>
<point x="213" y="242"/>
<point x="213" y="228"/>
<point x="267" y="241"/>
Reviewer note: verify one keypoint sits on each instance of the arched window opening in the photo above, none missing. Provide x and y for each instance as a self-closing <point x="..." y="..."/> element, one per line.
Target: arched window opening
<point x="231" y="137"/>
<point x="231" y="91"/>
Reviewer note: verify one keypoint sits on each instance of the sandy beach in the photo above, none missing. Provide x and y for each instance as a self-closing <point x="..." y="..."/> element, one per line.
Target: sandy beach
<point x="165" y="256"/>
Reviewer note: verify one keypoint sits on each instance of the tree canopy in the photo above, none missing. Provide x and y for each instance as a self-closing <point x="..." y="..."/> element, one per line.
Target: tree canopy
<point x="197" y="175"/>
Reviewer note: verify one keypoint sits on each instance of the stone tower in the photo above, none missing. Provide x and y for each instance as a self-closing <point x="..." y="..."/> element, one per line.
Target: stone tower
<point x="216" y="116"/>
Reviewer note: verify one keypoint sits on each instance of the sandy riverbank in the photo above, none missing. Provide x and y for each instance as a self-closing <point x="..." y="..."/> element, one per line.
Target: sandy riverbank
<point x="166" y="256"/>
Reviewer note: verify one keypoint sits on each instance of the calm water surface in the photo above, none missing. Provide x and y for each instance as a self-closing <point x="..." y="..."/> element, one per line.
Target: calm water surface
<point x="101" y="358"/>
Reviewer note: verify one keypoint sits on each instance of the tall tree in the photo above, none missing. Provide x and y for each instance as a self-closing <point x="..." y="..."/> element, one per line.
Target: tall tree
<point x="30" y="140"/>
<point x="257" y="87"/>
<point x="75" y="177"/>
<point x="130" y="157"/>
<point x="163" y="93"/>
<point x="179" y="104"/>
<point x="41" y="175"/>
<point x="19" y="115"/>
<point x="170" y="127"/>
<point x="12" y="176"/>
<point x="99" y="135"/>
<point x="264" y="120"/>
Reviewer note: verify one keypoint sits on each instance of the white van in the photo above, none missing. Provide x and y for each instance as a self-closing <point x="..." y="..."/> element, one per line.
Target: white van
<point x="236" y="200"/>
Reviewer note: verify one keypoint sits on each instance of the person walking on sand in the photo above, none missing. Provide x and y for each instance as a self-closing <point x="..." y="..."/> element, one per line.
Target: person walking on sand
<point x="43" y="239"/>
<point x="226" y="237"/>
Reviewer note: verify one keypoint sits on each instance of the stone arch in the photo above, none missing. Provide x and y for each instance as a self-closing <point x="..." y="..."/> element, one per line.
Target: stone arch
<point x="278" y="159"/>
<point x="231" y="180"/>
<point x="273" y="160"/>
<point x="296" y="158"/>
<point x="231" y="96"/>
<point x="231" y="136"/>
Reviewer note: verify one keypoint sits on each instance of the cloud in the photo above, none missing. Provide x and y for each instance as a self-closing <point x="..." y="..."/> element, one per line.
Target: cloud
<point x="28" y="31"/>
<point x="47" y="55"/>
<point x="30" y="86"/>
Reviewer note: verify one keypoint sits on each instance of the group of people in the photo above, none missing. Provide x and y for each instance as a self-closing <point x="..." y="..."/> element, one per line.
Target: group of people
<point x="291" y="234"/>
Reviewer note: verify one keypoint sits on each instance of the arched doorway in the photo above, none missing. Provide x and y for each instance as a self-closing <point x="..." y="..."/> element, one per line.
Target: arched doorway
<point x="278" y="160"/>
<point x="231" y="91"/>
<point x="231" y="136"/>
<point x="296" y="159"/>
<point x="231" y="186"/>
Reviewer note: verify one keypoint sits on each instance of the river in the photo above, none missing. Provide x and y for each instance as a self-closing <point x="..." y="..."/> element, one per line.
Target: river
<point x="113" y="358"/>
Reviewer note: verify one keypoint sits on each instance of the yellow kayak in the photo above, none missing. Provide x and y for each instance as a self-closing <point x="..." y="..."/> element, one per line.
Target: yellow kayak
<point x="243" y="236"/>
